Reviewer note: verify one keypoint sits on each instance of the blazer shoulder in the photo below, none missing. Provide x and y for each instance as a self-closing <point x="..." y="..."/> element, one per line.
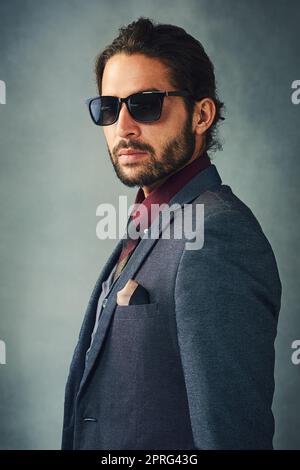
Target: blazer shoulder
<point x="227" y="219"/>
<point x="222" y="201"/>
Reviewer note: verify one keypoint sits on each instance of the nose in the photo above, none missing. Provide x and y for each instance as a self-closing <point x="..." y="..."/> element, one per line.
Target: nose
<point x="126" y="125"/>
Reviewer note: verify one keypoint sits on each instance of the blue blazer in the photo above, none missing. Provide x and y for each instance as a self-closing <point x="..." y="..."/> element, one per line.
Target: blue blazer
<point x="194" y="367"/>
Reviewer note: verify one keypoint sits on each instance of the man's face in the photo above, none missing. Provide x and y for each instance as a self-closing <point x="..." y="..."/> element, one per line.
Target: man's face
<point x="168" y="144"/>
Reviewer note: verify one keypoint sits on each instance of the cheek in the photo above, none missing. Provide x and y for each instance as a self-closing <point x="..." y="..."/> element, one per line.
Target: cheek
<point x="156" y="134"/>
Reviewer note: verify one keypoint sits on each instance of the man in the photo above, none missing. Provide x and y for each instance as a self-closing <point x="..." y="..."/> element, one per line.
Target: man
<point x="176" y="350"/>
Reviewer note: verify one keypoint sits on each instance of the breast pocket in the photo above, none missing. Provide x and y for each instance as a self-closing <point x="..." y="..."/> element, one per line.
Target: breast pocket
<point x="136" y="312"/>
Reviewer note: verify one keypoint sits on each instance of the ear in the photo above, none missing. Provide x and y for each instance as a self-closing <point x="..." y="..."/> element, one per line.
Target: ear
<point x="204" y="114"/>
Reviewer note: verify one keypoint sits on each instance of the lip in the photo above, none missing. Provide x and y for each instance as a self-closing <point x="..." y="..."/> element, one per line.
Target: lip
<point x="129" y="156"/>
<point x="130" y="152"/>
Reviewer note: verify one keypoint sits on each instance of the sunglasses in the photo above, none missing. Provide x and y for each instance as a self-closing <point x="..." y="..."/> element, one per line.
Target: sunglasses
<point x="144" y="106"/>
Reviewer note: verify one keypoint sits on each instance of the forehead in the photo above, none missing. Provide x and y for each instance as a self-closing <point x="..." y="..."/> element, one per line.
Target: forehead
<point x="126" y="74"/>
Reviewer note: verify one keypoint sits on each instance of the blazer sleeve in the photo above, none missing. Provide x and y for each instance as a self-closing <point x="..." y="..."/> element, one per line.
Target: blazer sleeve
<point x="227" y="301"/>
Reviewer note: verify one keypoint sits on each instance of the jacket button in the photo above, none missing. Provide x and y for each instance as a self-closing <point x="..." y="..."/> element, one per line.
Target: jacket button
<point x="93" y="420"/>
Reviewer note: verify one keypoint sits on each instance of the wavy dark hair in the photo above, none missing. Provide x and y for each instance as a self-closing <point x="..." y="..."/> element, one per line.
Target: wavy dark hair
<point x="189" y="66"/>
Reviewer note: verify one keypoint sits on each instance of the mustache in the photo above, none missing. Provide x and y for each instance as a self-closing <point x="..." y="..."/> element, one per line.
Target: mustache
<point x="133" y="146"/>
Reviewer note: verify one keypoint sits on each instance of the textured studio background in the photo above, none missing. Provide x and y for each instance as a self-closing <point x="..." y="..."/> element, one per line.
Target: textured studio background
<point x="55" y="170"/>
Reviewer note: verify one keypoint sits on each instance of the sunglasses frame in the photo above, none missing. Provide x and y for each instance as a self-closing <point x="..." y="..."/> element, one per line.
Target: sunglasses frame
<point x="161" y="95"/>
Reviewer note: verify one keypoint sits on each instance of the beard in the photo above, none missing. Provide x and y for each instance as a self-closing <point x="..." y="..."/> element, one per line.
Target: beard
<point x="176" y="154"/>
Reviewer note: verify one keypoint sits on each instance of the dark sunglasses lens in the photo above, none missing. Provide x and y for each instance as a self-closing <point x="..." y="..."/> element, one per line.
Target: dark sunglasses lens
<point x="145" y="107"/>
<point x="104" y="110"/>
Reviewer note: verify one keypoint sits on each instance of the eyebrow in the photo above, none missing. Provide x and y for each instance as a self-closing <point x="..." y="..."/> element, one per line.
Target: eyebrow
<point x="151" y="89"/>
<point x="146" y="89"/>
<point x="139" y="91"/>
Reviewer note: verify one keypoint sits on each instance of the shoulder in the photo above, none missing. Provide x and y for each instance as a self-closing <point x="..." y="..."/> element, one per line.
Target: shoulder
<point x="222" y="203"/>
<point x="227" y="219"/>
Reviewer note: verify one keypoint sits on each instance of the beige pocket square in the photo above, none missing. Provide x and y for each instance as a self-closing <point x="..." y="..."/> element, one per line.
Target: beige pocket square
<point x="132" y="293"/>
<point x="123" y="295"/>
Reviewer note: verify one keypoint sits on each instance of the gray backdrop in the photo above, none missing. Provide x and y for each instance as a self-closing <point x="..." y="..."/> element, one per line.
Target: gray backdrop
<point x="55" y="170"/>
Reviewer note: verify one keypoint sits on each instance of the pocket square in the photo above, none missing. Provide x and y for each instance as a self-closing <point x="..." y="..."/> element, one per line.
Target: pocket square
<point x="133" y="293"/>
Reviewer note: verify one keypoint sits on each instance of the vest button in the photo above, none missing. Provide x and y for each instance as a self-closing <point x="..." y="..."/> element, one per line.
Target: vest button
<point x="104" y="302"/>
